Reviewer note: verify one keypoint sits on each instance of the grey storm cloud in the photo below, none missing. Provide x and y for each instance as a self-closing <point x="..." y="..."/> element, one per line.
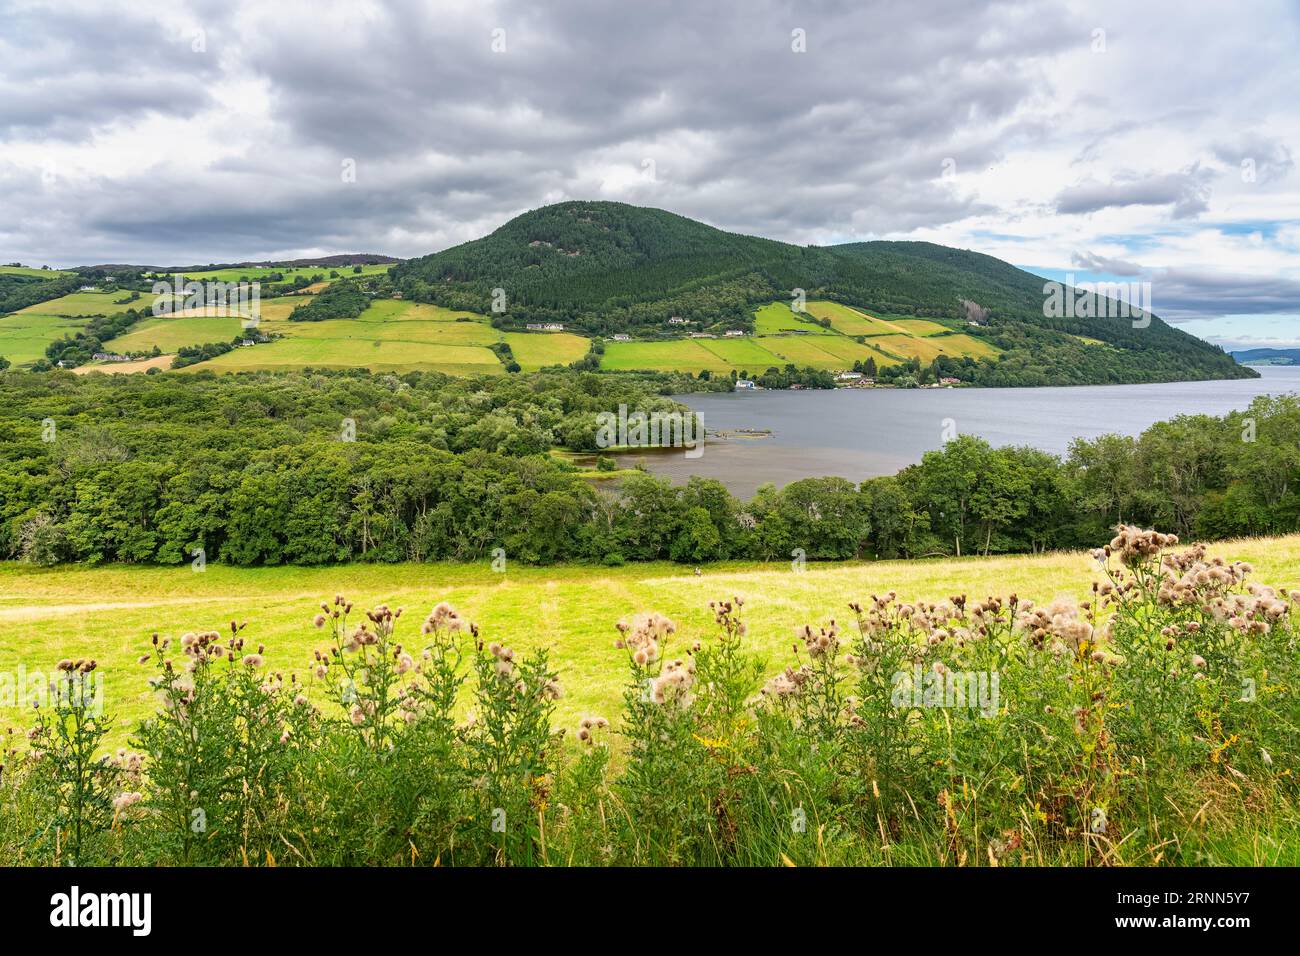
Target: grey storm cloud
<point x="65" y="72"/>
<point x="450" y="137"/>
<point x="1188" y="192"/>
<point x="1183" y="294"/>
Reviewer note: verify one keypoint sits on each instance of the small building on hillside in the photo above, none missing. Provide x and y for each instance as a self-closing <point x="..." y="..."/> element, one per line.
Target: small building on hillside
<point x="734" y="333"/>
<point x="545" y="327"/>
<point x="700" y="335"/>
<point x="949" y="380"/>
<point x="743" y="383"/>
<point x="848" y="376"/>
<point x="678" y="320"/>
<point x="622" y="337"/>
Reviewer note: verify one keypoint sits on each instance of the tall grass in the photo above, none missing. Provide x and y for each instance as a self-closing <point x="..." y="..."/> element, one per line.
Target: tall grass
<point x="1155" y="723"/>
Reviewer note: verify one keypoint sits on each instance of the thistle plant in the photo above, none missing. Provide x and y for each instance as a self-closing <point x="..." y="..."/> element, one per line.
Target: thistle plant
<point x="78" y="783"/>
<point x="512" y="748"/>
<point x="222" y="751"/>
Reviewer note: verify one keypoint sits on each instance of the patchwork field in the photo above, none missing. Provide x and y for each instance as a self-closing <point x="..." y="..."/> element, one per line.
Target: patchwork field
<point x="109" y="612"/>
<point x="394" y="335"/>
<point x="260" y="274"/>
<point x="783" y="338"/>
<point x="391" y="335"/>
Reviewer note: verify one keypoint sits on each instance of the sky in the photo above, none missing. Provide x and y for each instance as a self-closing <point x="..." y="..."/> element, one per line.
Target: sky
<point x="1104" y="141"/>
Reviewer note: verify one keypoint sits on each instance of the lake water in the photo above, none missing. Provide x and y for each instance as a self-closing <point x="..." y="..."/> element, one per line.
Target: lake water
<point x="861" y="433"/>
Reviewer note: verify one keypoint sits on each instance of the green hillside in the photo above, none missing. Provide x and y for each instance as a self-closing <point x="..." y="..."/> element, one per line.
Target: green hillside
<point x="604" y="268"/>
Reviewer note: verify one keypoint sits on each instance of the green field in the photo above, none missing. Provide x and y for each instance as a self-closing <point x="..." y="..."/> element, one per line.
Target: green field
<point x="28" y="271"/>
<point x="678" y="354"/>
<point x="928" y="348"/>
<point x="375" y="354"/>
<point x="24" y="335"/>
<point x="779" y="317"/>
<point x="849" y="321"/>
<point x="169" y="334"/>
<point x="109" y="612"/>
<point x="534" y="351"/>
<point x="88" y="303"/>
<point x="920" y="326"/>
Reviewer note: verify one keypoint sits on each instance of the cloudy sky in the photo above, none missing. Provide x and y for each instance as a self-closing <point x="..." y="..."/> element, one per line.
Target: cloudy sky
<point x="1109" y="140"/>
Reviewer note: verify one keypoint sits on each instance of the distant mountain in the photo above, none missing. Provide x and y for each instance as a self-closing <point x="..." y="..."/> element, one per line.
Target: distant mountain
<point x="343" y="259"/>
<point x="1268" y="356"/>
<point x="604" y="268"/>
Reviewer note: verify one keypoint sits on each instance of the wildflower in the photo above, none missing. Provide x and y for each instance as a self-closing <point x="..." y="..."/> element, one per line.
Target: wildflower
<point x="587" y="728"/>
<point x="644" y="636"/>
<point x="673" y="685"/>
<point x="252" y="660"/>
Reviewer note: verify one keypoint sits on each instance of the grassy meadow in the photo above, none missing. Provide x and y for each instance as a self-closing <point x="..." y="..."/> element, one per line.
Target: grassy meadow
<point x="109" y="612"/>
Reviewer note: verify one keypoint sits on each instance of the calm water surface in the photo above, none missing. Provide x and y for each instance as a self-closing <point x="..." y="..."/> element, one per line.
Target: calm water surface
<point x="860" y="433"/>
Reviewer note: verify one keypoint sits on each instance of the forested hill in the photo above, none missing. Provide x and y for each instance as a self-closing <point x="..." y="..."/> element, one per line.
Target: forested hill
<point x="603" y="268"/>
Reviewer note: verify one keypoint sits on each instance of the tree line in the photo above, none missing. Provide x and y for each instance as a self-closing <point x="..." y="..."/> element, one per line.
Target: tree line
<point x="319" y="467"/>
